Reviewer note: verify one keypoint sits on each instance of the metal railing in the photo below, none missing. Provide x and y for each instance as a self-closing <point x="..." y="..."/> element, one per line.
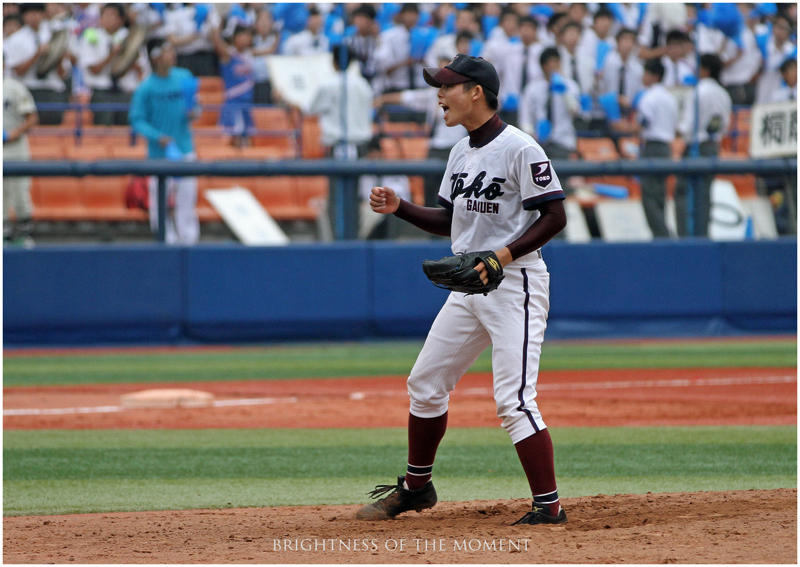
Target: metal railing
<point x="344" y="174"/>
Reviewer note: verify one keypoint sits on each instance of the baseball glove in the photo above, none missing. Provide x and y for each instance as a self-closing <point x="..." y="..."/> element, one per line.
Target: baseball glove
<point x="458" y="273"/>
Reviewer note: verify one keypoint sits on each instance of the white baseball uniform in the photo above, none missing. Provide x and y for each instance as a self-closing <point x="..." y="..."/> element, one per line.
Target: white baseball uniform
<point x="493" y="192"/>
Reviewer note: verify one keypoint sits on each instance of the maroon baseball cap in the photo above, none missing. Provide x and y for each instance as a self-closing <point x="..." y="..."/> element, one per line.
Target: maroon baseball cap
<point x="462" y="69"/>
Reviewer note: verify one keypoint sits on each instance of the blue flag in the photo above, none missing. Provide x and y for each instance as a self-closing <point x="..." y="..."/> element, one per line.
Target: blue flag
<point x="609" y="102"/>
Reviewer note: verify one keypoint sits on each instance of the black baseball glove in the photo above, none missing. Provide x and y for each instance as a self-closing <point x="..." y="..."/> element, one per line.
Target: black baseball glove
<point x="458" y="273"/>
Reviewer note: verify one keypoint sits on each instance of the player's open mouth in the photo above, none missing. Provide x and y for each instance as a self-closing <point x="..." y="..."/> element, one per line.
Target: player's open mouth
<point x="445" y="108"/>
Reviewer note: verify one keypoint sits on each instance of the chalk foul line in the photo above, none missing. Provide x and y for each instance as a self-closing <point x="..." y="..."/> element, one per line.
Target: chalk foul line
<point x="476" y="392"/>
<point x="114" y="409"/>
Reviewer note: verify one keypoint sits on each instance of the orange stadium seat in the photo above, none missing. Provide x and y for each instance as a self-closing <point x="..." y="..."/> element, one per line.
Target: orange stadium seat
<point x="206" y="151"/>
<point x="312" y="147"/>
<point x="89" y="152"/>
<point x="211" y="84"/>
<point x="597" y="149"/>
<point x="70" y="119"/>
<point x="745" y="184"/>
<point x="104" y="198"/>
<point x="47" y="151"/>
<point x="308" y="189"/>
<point x="209" y="117"/>
<point x="272" y="118"/>
<point x="266" y="153"/>
<point x="413" y="148"/>
<point x="278" y="195"/>
<point x="126" y="151"/>
<point x="57" y="198"/>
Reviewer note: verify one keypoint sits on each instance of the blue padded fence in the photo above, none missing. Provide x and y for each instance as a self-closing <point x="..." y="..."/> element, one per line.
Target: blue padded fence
<point x="230" y="293"/>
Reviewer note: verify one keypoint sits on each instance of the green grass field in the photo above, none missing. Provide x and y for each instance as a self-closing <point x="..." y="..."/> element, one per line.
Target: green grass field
<point x="60" y="472"/>
<point x="327" y="360"/>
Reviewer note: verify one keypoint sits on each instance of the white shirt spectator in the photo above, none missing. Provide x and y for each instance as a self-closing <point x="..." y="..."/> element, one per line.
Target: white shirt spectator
<point x="658" y="114"/>
<point x="306" y="43"/>
<point x="589" y="44"/>
<point x="327" y="104"/>
<point x="783" y="94"/>
<point x="17" y="103"/>
<point x="427" y="100"/>
<point x="614" y="69"/>
<point x="538" y="103"/>
<point x="714" y="103"/>
<point x="666" y="17"/>
<point x="443" y="47"/>
<point x="506" y="55"/>
<point x="260" y="63"/>
<point x="708" y="40"/>
<point x="741" y="71"/>
<point x="394" y="47"/>
<point x="23" y="44"/>
<point x="628" y="15"/>
<point x="676" y="72"/>
<point x="580" y="70"/>
<point x="91" y="52"/>
<point x="180" y="22"/>
<point x="770" y="79"/>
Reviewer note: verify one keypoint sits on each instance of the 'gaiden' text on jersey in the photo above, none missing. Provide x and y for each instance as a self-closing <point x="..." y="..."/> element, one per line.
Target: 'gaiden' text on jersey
<point x="476" y="190"/>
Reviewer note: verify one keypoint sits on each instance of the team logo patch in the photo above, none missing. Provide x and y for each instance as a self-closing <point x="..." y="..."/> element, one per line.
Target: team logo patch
<point x="542" y="173"/>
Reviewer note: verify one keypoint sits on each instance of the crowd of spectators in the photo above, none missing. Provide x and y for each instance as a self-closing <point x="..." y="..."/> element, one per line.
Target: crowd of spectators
<point x="601" y="46"/>
<point x="563" y="68"/>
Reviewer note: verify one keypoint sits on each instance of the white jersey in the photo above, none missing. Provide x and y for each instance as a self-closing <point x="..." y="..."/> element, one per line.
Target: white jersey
<point x="494" y="190"/>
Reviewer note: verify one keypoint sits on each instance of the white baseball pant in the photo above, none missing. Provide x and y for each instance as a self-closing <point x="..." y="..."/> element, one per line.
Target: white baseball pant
<point x="183" y="225"/>
<point x="512" y="319"/>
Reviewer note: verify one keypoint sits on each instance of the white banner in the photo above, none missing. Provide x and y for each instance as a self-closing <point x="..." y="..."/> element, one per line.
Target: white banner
<point x="297" y="78"/>
<point x="773" y="130"/>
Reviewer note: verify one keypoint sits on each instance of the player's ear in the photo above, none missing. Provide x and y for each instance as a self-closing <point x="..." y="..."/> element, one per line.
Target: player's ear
<point x="477" y="92"/>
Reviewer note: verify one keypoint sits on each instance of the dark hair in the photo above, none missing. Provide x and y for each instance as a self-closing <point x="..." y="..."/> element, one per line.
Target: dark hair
<point x="154" y="43"/>
<point x="554" y="19"/>
<point x="508" y="12"/>
<point x="778" y="16"/>
<point x="548" y="54"/>
<point x="712" y="63"/>
<point x="655" y="67"/>
<point x="788" y="63"/>
<point x="626" y="31"/>
<point x="365" y="10"/>
<point x="25" y="7"/>
<point x="241" y="29"/>
<point x="575" y="25"/>
<point x="491" y="98"/>
<point x="374" y="144"/>
<point x="677" y="36"/>
<point x="410" y="8"/>
<point x="464" y="35"/>
<point x="528" y="20"/>
<point x="13" y="18"/>
<point x="313" y="12"/>
<point x="119" y="8"/>
<point x="342" y="51"/>
<point x="603" y="13"/>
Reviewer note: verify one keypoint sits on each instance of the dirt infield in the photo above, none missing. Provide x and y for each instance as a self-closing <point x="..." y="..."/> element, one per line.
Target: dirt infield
<point x="711" y="527"/>
<point x="729" y="396"/>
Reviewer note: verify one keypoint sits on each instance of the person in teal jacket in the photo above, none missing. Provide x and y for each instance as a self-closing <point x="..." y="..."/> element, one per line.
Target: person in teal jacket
<point x="162" y="110"/>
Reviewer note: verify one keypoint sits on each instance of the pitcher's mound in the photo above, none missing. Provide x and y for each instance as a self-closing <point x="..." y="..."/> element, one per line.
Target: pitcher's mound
<point x="167" y="398"/>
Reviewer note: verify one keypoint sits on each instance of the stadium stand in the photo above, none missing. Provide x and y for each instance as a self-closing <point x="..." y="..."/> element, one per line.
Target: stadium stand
<point x="281" y="133"/>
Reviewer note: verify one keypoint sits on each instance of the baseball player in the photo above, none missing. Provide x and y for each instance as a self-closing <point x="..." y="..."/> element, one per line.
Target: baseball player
<point x="501" y="194"/>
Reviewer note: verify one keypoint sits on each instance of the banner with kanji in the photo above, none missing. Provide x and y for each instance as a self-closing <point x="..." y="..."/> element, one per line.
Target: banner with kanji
<point x="773" y="130"/>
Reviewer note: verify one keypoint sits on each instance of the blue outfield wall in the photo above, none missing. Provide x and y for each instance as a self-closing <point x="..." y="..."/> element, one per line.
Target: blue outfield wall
<point x="229" y="293"/>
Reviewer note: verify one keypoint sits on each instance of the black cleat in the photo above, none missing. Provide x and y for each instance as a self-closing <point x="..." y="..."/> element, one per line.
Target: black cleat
<point x="541" y="515"/>
<point x="400" y="500"/>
